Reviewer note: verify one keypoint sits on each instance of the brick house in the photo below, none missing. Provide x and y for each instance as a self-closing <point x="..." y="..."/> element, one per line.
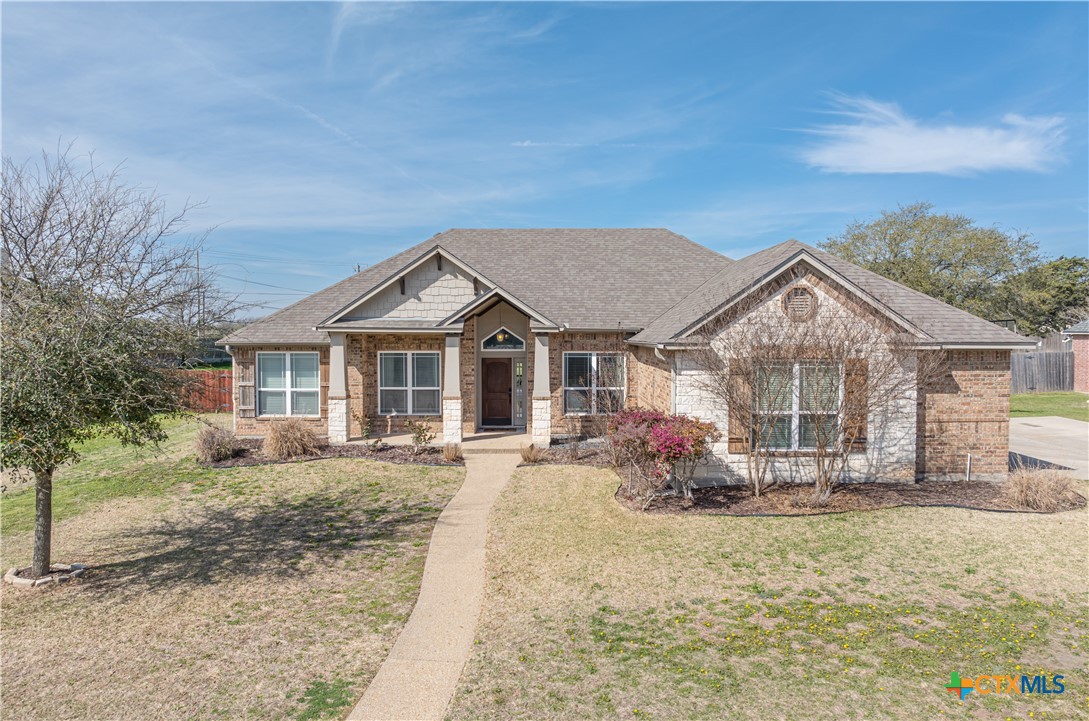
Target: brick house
<point x="1079" y="341"/>
<point x="540" y="329"/>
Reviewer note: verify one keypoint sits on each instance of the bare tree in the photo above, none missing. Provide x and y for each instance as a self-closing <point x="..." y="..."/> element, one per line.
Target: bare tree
<point x="99" y="294"/>
<point x="802" y="374"/>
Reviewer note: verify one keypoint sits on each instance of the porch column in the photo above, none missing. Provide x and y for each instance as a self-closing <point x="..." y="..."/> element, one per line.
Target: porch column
<point x="338" y="389"/>
<point x="451" y="390"/>
<point x="542" y="393"/>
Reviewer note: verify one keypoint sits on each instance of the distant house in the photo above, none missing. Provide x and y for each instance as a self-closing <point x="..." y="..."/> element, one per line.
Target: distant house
<point x="474" y="330"/>
<point x="1079" y="337"/>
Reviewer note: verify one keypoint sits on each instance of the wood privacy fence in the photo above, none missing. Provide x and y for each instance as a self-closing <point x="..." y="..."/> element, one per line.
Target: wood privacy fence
<point x="209" y="391"/>
<point x="1041" y="371"/>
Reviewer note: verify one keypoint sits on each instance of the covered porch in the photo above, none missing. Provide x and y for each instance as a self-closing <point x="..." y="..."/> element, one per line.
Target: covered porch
<point x="481" y="376"/>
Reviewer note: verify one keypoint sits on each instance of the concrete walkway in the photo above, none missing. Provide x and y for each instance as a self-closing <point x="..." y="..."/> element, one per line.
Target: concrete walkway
<point x="1052" y="440"/>
<point x="418" y="678"/>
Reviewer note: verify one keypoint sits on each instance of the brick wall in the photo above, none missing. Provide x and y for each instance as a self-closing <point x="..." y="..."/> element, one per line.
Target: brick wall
<point x="467" y="366"/>
<point x="244" y="393"/>
<point x="362" y="359"/>
<point x="652" y="380"/>
<point x="966" y="410"/>
<point x="1080" y="346"/>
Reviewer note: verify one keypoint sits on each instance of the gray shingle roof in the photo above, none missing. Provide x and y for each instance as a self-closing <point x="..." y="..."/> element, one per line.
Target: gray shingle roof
<point x="589" y="278"/>
<point x="942" y="322"/>
<point x="1078" y="328"/>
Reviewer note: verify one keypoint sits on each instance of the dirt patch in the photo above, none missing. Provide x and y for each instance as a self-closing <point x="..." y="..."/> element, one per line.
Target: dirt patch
<point x="250" y="454"/>
<point x="795" y="501"/>
<point x="584" y="455"/>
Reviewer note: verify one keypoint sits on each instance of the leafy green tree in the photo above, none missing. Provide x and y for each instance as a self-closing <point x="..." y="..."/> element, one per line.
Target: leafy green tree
<point x="1050" y="296"/>
<point x="945" y="256"/>
<point x="99" y="293"/>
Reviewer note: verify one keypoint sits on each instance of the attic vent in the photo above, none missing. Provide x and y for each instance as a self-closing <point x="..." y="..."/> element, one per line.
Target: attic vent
<point x="799" y="304"/>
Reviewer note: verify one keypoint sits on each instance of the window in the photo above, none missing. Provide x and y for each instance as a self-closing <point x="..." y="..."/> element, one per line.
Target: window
<point x="593" y="383"/>
<point x="503" y="339"/>
<point x="287" y="384"/>
<point x="408" y="383"/>
<point x="797" y="405"/>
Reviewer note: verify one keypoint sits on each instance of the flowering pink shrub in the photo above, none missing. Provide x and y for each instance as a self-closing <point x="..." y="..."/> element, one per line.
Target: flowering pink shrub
<point x="658" y="444"/>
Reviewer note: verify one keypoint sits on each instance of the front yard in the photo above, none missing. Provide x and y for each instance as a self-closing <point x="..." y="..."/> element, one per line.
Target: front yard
<point x="594" y="611"/>
<point x="261" y="592"/>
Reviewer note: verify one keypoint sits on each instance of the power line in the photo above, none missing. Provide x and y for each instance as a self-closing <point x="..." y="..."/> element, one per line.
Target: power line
<point x="277" y="259"/>
<point x="267" y="285"/>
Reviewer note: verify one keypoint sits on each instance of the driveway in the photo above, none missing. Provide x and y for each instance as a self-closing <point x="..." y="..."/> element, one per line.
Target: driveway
<point x="1052" y="440"/>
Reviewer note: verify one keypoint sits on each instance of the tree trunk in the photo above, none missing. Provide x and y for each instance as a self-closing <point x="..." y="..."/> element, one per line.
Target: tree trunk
<point x="43" y="522"/>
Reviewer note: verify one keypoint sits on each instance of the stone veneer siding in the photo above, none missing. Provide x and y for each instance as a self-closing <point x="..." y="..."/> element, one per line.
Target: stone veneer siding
<point x="362" y="358"/>
<point x="1080" y="346"/>
<point x="965" y="411"/>
<point x="244" y="360"/>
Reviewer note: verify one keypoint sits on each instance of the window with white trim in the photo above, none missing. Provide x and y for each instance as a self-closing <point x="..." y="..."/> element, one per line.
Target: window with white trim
<point x="408" y="383"/>
<point x="288" y="384"/>
<point x="593" y="383"/>
<point x="797" y="405"/>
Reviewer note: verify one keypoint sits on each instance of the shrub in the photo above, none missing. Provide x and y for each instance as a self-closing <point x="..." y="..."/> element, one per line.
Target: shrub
<point x="422" y="435"/>
<point x="1038" y="489"/>
<point x="290" y="438"/>
<point x="451" y="453"/>
<point x="215" y="444"/>
<point x="366" y="425"/>
<point x="531" y="454"/>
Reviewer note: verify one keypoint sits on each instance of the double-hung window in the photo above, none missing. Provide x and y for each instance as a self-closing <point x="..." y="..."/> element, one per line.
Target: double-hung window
<point x="593" y="383"/>
<point x="287" y="384"/>
<point x="408" y="383"/>
<point x="797" y="405"/>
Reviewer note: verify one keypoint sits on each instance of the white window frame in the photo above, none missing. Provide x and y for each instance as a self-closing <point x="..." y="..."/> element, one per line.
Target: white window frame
<point x="796" y="412"/>
<point x="288" y="389"/>
<point x="593" y="388"/>
<point x="409" y="365"/>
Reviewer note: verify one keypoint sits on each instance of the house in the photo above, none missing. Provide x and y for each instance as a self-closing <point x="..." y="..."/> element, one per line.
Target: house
<point x="537" y="329"/>
<point x="1079" y="337"/>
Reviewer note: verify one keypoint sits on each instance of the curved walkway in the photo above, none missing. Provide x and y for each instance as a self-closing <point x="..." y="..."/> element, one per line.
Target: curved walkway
<point x="418" y="678"/>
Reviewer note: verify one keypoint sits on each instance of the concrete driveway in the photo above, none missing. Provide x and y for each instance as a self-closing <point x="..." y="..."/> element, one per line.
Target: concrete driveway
<point x="1052" y="440"/>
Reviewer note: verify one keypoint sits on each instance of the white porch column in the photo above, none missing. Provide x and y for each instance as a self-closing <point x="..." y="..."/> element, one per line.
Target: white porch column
<point x="338" y="389"/>
<point x="451" y="390"/>
<point x="542" y="393"/>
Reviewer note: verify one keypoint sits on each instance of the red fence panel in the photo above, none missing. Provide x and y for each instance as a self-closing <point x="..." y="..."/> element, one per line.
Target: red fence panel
<point x="209" y="391"/>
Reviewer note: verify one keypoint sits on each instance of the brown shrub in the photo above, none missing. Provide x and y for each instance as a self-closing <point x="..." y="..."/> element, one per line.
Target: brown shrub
<point x="290" y="438"/>
<point x="215" y="444"/>
<point x="1047" y="490"/>
<point x="532" y="454"/>
<point x="451" y="453"/>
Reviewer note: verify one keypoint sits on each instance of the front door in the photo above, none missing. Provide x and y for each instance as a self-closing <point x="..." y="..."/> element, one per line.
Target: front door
<point x="496" y="399"/>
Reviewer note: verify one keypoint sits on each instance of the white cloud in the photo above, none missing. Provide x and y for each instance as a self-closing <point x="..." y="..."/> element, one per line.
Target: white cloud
<point x="880" y="138"/>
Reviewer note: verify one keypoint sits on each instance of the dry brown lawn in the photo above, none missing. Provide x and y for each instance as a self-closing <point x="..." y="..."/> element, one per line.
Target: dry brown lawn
<point x="242" y="593"/>
<point x="596" y="611"/>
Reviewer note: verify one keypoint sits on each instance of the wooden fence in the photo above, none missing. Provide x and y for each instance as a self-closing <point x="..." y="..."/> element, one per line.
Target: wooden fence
<point x="209" y="391"/>
<point x="1041" y="371"/>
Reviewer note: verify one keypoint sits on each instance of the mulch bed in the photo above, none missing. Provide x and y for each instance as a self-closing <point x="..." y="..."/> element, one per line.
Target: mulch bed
<point x="793" y="500"/>
<point x="584" y="455"/>
<point x="250" y="454"/>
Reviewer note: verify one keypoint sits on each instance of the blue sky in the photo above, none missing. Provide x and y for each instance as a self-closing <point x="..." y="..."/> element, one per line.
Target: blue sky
<point x="325" y="135"/>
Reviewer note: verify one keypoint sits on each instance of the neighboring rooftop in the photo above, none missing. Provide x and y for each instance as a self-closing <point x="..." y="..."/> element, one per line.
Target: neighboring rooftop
<point x="1078" y="328"/>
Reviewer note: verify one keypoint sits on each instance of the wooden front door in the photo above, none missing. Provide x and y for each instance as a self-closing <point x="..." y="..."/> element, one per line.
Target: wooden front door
<point x="495" y="401"/>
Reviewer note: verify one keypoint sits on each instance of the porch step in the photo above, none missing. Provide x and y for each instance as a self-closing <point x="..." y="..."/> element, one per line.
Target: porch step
<point x="488" y="451"/>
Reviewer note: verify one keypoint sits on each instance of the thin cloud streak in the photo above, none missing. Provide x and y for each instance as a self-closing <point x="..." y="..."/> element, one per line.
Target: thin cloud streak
<point x="880" y="138"/>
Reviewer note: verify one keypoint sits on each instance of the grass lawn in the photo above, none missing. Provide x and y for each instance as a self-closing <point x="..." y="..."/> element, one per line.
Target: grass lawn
<point x="593" y="611"/>
<point x="243" y="593"/>
<point x="1069" y="405"/>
